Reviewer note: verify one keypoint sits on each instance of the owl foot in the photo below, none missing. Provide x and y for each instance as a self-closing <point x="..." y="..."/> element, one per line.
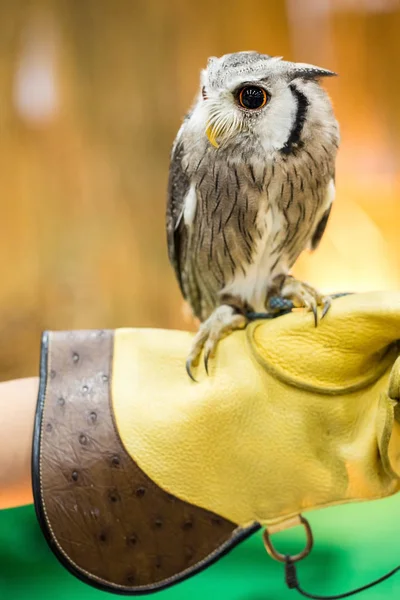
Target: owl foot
<point x="221" y="322"/>
<point x="304" y="296"/>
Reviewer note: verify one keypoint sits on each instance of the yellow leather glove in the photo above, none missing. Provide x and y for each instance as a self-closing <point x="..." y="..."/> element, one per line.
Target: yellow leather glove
<point x="142" y="477"/>
<point x="291" y="418"/>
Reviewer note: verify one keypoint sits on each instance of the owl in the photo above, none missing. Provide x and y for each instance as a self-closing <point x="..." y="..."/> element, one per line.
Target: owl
<point x="251" y="186"/>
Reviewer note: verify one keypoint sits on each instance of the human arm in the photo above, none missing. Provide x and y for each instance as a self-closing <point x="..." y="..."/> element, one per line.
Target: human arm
<point x="17" y="411"/>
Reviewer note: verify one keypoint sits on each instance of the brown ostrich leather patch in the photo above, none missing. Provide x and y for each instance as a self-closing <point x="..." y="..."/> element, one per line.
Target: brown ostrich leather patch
<point x="106" y="521"/>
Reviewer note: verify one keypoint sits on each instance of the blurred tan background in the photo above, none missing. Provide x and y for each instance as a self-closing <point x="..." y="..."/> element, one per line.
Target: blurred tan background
<point x="92" y="94"/>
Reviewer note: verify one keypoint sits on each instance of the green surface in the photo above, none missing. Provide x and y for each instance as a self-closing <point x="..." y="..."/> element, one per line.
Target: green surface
<point x="353" y="544"/>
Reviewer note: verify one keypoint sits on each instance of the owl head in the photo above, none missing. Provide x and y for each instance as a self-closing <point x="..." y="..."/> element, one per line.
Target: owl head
<point x="262" y="96"/>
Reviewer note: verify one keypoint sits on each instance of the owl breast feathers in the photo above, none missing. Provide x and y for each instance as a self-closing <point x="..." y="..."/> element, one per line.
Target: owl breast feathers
<point x="251" y="179"/>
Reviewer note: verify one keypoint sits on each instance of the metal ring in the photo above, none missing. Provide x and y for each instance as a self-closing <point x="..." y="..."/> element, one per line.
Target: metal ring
<point x="285" y="557"/>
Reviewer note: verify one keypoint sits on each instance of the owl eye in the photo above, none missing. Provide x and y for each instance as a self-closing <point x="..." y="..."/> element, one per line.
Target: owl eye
<point x="252" y="97"/>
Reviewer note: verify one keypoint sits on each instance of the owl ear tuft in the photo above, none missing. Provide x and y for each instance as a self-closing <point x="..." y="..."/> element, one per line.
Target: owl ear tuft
<point x="306" y="71"/>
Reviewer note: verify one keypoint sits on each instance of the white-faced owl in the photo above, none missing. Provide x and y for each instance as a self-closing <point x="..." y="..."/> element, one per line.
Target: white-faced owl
<point x="251" y="186"/>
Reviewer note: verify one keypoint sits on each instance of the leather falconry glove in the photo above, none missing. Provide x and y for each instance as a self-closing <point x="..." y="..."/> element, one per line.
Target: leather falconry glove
<point x="142" y="477"/>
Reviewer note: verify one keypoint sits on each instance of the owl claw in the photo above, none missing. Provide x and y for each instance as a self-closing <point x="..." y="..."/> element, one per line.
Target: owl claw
<point x="304" y="296"/>
<point x="222" y="321"/>
<point x="315" y="313"/>
<point x="326" y="306"/>
<point x="189" y="370"/>
<point x="206" y="359"/>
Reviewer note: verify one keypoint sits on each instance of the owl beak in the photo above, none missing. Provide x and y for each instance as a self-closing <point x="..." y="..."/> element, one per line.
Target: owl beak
<point x="212" y="135"/>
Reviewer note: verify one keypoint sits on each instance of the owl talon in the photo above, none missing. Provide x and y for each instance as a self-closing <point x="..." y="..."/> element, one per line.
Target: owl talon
<point x="222" y="321"/>
<point x="304" y="296"/>
<point x="206" y="359"/>
<point x="315" y="313"/>
<point x="189" y="370"/>
<point x="326" y="306"/>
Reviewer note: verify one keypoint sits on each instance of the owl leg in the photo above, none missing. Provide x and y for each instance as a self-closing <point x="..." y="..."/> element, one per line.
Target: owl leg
<point x="304" y="295"/>
<point x="219" y="324"/>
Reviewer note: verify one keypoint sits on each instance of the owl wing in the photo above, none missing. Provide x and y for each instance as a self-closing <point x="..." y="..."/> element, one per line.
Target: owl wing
<point x="178" y="186"/>
<point x="321" y="226"/>
<point x="320" y="229"/>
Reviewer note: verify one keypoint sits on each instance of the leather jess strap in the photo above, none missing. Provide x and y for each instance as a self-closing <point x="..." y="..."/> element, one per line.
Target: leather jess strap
<point x="293" y="583"/>
<point x="291" y="578"/>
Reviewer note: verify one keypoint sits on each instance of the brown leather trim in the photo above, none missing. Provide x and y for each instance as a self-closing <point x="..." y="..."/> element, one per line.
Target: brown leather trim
<point x="105" y="519"/>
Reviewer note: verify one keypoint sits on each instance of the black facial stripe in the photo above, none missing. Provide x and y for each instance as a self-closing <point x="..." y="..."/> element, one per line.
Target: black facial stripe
<point x="294" y="138"/>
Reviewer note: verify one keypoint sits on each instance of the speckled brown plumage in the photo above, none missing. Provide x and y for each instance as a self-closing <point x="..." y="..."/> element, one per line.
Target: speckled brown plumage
<point x="249" y="194"/>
